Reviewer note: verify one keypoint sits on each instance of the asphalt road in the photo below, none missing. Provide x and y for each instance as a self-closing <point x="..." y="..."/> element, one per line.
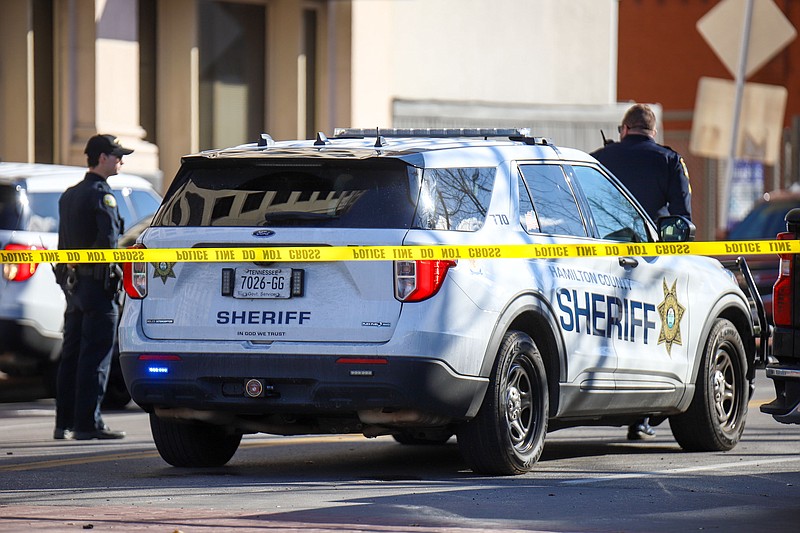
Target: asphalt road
<point x="588" y="479"/>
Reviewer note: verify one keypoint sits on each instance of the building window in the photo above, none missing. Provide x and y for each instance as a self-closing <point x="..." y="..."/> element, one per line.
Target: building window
<point x="43" y="81"/>
<point x="148" y="47"/>
<point x="307" y="75"/>
<point x="232" y="64"/>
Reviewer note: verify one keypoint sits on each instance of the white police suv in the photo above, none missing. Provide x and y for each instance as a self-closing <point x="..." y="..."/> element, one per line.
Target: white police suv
<point x="494" y="351"/>
<point x="31" y="303"/>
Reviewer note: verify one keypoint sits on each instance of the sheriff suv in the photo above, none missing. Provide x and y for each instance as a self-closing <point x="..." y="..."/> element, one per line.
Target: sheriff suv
<point x="494" y="351"/>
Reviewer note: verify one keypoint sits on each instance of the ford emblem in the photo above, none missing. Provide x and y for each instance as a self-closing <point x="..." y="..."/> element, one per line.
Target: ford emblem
<point x="263" y="233"/>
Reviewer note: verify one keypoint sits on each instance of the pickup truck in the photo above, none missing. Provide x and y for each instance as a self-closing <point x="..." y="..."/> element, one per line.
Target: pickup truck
<point x="784" y="365"/>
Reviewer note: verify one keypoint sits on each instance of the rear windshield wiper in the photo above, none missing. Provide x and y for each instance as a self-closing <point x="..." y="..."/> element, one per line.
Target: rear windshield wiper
<point x="299" y="217"/>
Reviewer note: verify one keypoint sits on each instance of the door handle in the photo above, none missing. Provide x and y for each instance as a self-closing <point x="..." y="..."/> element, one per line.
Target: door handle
<point x="628" y="262"/>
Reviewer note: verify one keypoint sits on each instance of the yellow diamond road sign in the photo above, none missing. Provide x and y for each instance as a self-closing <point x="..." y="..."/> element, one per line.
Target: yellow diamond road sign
<point x="723" y="26"/>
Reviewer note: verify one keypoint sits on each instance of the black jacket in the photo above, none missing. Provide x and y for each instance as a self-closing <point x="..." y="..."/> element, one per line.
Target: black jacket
<point x="656" y="175"/>
<point x="88" y="216"/>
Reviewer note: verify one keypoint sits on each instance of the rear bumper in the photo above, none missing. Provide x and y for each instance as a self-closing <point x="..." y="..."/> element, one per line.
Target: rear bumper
<point x="785" y="408"/>
<point x="314" y="385"/>
<point x="785" y="375"/>
<point x="23" y="346"/>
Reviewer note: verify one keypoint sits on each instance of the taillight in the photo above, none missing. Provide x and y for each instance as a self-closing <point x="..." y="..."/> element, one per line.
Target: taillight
<point x="20" y="271"/>
<point x="415" y="281"/>
<point x="134" y="277"/>
<point x="782" y="290"/>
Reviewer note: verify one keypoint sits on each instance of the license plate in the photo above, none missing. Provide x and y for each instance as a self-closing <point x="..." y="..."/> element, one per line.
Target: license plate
<point x="253" y="282"/>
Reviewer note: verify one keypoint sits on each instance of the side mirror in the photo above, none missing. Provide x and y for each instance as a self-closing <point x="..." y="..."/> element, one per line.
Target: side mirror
<point x="675" y="228"/>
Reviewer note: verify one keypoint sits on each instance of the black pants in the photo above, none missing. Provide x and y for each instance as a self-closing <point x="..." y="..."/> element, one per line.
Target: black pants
<point x="90" y="323"/>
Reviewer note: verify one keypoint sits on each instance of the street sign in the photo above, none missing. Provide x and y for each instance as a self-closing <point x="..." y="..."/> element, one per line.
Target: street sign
<point x="722" y="28"/>
<point x="760" y="127"/>
<point x="747" y="186"/>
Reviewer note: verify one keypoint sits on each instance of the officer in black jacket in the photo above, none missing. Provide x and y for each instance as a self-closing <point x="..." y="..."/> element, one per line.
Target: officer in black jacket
<point x="656" y="176"/>
<point x="88" y="218"/>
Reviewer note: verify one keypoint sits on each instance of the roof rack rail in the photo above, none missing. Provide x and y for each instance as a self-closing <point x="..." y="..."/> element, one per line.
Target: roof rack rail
<point x="544" y="141"/>
<point x="430" y="132"/>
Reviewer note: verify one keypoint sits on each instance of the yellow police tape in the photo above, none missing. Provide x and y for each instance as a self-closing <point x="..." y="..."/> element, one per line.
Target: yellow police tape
<point x="394" y="253"/>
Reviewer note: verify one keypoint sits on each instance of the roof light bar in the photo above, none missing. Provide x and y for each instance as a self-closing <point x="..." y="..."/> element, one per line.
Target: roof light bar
<point x="431" y="132"/>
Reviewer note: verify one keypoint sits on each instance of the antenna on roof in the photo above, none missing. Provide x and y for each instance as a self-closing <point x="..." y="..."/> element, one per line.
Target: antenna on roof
<point x="379" y="141"/>
<point x="322" y="139"/>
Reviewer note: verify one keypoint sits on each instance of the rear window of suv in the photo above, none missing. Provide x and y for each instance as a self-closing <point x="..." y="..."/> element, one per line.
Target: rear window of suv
<point x="38" y="211"/>
<point x="326" y="193"/>
<point x="20" y="210"/>
<point x="10" y="208"/>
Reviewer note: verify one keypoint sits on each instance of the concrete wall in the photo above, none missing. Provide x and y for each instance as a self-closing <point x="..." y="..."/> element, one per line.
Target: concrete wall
<point x="509" y="51"/>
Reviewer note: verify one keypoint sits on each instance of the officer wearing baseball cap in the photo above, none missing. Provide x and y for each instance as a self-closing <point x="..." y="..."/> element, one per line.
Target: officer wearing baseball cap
<point x="105" y="144"/>
<point x="88" y="218"/>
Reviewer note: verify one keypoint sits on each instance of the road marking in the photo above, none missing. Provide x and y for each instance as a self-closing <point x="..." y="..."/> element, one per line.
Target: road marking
<point x="17" y="413"/>
<point x="673" y="471"/>
<point x="52" y="463"/>
<point x="753" y="403"/>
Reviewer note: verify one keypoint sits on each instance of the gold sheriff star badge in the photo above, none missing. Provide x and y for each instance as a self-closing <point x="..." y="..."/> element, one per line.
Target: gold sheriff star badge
<point x="671" y="312"/>
<point x="163" y="270"/>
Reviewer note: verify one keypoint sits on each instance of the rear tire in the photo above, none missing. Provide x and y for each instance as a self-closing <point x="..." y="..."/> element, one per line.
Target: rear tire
<point x="117" y="395"/>
<point x="193" y="444"/>
<point x="507" y="435"/>
<point x="716" y="417"/>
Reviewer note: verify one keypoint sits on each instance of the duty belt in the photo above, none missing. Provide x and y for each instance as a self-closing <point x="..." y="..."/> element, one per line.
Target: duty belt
<point x="85" y="270"/>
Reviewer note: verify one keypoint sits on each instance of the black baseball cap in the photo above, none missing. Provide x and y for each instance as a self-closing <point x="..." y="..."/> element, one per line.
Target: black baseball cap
<point x="105" y="144"/>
